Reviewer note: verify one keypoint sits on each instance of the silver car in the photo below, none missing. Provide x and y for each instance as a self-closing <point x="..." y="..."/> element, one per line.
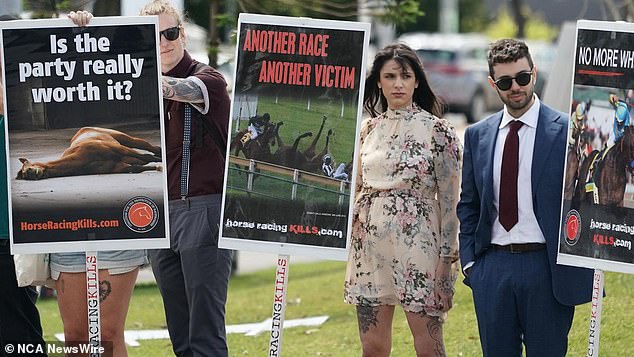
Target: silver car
<point x="456" y="67"/>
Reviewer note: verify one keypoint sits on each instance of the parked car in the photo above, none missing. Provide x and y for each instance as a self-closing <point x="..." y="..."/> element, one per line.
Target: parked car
<point x="456" y="67"/>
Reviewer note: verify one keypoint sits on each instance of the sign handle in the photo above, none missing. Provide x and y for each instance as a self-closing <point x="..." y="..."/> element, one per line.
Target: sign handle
<point x="595" y="313"/>
<point x="92" y="301"/>
<point x="597" y="302"/>
<point x="279" y="305"/>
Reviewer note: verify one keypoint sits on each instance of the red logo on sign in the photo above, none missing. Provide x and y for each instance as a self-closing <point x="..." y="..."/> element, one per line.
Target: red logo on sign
<point x="573" y="227"/>
<point x="140" y="214"/>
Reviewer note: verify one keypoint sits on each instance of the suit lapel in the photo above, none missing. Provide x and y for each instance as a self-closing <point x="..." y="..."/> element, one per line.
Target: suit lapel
<point x="488" y="152"/>
<point x="547" y="130"/>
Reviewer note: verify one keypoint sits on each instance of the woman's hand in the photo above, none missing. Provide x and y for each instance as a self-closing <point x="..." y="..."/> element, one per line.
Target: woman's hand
<point x="80" y="18"/>
<point x="444" y="284"/>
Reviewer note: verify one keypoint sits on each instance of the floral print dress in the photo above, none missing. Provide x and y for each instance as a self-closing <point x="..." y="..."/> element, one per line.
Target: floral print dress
<point x="405" y="210"/>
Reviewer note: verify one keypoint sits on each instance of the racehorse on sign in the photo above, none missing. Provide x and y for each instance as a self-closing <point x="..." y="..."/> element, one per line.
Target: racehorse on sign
<point x="608" y="173"/>
<point x="258" y="148"/>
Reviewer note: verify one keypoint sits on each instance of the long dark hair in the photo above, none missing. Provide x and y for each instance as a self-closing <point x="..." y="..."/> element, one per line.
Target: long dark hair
<point x="423" y="96"/>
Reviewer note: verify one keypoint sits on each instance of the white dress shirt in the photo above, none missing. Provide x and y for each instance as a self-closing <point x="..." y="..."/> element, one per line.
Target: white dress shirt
<point x="527" y="229"/>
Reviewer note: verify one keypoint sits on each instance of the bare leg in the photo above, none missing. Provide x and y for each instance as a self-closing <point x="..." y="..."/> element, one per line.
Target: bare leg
<point x="427" y="332"/>
<point x="375" y="329"/>
<point x="115" y="292"/>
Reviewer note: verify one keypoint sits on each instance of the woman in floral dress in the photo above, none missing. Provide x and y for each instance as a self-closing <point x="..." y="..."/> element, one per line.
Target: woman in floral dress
<point x="404" y="235"/>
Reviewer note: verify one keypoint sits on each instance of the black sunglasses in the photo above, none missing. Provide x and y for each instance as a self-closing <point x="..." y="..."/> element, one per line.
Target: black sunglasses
<point x="522" y="79"/>
<point x="171" y="34"/>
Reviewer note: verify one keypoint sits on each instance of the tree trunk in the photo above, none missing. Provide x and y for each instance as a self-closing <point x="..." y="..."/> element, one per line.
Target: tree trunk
<point x="107" y="8"/>
<point x="613" y="9"/>
<point x="213" y="40"/>
<point x="516" y="8"/>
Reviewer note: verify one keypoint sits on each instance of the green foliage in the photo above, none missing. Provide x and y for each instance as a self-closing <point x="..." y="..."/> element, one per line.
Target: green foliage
<point x="536" y="26"/>
<point x="473" y="16"/>
<point x="42" y="9"/>
<point x="471" y="13"/>
<point x="401" y="12"/>
<point x="317" y="289"/>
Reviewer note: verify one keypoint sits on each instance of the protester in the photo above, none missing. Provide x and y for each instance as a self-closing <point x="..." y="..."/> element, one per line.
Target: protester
<point x="404" y="234"/>
<point x="509" y="213"/>
<point x="19" y="318"/>
<point x="118" y="271"/>
<point x="193" y="275"/>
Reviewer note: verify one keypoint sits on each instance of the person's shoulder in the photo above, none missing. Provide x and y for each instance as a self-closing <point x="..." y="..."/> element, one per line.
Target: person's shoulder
<point x="556" y="115"/>
<point x="205" y="70"/>
<point x="441" y="124"/>
<point x="486" y="122"/>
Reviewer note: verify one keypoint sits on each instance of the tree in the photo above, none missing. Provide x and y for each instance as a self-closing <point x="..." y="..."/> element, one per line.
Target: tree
<point x="472" y="17"/>
<point x="214" y="15"/>
<point x="46" y="8"/>
<point x="520" y="20"/>
<point x="620" y="10"/>
<point x="536" y="27"/>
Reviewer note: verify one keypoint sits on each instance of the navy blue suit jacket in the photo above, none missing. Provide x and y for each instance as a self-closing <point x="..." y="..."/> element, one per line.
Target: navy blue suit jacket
<point x="571" y="285"/>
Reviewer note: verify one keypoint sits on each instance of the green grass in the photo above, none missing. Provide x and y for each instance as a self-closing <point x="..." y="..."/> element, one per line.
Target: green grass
<point x="317" y="289"/>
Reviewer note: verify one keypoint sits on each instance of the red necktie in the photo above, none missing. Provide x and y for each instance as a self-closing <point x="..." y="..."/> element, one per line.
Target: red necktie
<point x="508" y="177"/>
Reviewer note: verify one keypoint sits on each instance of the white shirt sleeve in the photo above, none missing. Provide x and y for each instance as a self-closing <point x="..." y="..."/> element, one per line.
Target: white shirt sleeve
<point x="203" y="108"/>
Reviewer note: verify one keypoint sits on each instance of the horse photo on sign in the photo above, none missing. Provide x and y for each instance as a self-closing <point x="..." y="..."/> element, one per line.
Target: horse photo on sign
<point x="289" y="174"/>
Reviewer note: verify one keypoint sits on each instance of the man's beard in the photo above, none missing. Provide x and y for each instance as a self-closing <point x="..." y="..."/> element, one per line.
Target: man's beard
<point x="518" y="105"/>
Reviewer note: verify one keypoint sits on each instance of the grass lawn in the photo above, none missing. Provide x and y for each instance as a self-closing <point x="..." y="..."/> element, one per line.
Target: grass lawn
<point x="317" y="289"/>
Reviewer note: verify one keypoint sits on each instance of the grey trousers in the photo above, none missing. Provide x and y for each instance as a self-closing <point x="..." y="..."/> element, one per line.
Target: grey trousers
<point x="192" y="276"/>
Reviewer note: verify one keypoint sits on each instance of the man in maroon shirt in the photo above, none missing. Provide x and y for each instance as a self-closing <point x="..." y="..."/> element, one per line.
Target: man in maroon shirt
<point x="193" y="274"/>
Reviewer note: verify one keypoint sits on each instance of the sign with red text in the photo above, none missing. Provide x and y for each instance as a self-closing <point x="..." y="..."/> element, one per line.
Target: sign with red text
<point x="84" y="129"/>
<point x="290" y="166"/>
<point x="597" y="222"/>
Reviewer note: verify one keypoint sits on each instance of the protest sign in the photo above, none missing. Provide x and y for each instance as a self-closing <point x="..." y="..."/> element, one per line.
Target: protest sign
<point x="84" y="122"/>
<point x="297" y="103"/>
<point x="597" y="226"/>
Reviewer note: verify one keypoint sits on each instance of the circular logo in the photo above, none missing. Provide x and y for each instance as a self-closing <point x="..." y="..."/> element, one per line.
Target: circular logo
<point x="573" y="227"/>
<point x="140" y="214"/>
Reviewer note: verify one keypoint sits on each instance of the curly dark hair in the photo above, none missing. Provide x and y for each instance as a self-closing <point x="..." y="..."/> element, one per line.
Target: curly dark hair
<point x="507" y="50"/>
<point x="423" y="96"/>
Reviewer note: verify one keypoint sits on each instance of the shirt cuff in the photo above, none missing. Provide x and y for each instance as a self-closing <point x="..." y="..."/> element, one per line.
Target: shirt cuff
<point x="203" y="108"/>
<point x="467" y="266"/>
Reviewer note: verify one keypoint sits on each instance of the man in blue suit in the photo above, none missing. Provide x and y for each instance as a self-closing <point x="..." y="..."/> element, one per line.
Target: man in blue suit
<point x="509" y="217"/>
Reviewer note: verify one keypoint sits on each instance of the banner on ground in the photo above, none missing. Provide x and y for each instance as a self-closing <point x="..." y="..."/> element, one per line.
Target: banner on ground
<point x="83" y="114"/>
<point x="297" y="102"/>
<point x="597" y="223"/>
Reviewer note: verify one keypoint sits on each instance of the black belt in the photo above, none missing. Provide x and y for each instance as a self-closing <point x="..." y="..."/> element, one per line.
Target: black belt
<point x="520" y="248"/>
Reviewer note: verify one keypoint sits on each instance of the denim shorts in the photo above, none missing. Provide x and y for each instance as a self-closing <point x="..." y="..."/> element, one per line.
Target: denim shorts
<point x="116" y="261"/>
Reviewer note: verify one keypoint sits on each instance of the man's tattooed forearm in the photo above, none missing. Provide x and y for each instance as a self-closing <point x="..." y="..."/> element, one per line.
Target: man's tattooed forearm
<point x="182" y="90"/>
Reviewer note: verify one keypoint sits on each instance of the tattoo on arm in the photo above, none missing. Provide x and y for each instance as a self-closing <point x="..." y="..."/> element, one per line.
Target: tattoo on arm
<point x="182" y="90"/>
<point x="367" y="316"/>
<point x="446" y="285"/>
<point x="105" y="288"/>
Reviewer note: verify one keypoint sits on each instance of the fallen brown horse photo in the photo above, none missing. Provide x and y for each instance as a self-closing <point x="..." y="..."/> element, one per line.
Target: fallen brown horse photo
<point x="94" y="151"/>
